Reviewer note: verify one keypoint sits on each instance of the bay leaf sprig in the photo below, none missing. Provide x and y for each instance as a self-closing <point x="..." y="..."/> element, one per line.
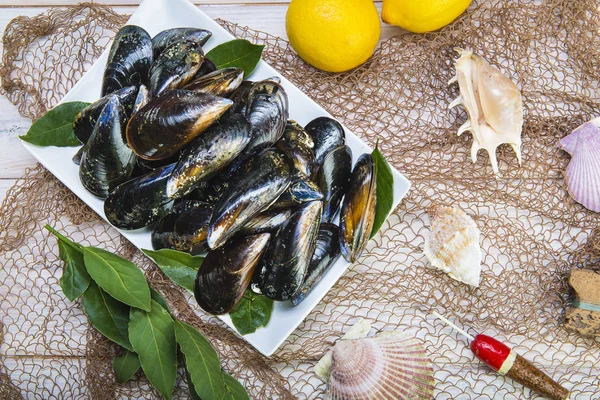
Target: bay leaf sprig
<point x="238" y="53"/>
<point x="55" y="128"/>
<point x="385" y="189"/>
<point x="136" y="317"/>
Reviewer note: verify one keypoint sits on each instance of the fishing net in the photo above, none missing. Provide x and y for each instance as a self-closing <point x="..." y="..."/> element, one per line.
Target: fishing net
<point x="533" y="233"/>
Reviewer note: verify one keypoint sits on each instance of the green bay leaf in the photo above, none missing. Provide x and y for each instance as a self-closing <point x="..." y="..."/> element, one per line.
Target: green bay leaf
<point x="119" y="277"/>
<point x="385" y="190"/>
<point x="152" y="336"/>
<point x="252" y="312"/>
<point x="234" y="389"/>
<point x="157" y="297"/>
<point x="201" y="361"/>
<point x="75" y="278"/>
<point x="55" y="128"/>
<point x="106" y="314"/>
<point x="191" y="387"/>
<point x="126" y="365"/>
<point x="179" y="266"/>
<point x="238" y="53"/>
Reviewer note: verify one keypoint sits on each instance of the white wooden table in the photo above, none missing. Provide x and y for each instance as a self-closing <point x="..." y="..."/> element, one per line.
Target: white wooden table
<point x="264" y="15"/>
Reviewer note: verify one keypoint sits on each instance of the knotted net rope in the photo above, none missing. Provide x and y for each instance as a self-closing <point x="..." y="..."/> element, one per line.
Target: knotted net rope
<point x="533" y="232"/>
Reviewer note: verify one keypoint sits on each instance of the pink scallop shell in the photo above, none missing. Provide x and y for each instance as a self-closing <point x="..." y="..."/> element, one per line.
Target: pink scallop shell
<point x="583" y="172"/>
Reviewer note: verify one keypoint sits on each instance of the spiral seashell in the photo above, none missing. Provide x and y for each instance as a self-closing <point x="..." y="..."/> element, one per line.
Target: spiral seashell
<point x="493" y="103"/>
<point x="388" y="366"/>
<point x="583" y="172"/>
<point x="453" y="244"/>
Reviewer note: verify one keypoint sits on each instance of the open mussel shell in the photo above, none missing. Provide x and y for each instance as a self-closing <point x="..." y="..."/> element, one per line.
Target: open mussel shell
<point x="327" y="134"/>
<point x="141" y="201"/>
<point x="86" y="120"/>
<point x="327" y="252"/>
<point x="267" y="109"/>
<point x="106" y="160"/>
<point x="172" y="120"/>
<point x="266" y="222"/>
<point x="175" y="66"/>
<point x="169" y="36"/>
<point x="226" y="272"/>
<point x="298" y="145"/>
<point x="209" y="153"/>
<point x="284" y="266"/>
<point x="301" y="190"/>
<point x="333" y="179"/>
<point x="358" y="209"/>
<point x="222" y="82"/>
<point x="129" y="59"/>
<point x="253" y="192"/>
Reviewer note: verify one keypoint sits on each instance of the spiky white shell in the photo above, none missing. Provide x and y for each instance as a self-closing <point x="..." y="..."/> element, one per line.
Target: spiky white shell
<point x="583" y="172"/>
<point x="493" y="103"/>
<point x="384" y="367"/>
<point x="452" y="245"/>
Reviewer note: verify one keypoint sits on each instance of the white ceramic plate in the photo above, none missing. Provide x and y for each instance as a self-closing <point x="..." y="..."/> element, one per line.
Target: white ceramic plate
<point x="155" y="16"/>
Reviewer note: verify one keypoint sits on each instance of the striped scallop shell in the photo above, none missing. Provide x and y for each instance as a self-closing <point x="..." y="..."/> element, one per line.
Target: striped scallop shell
<point x="388" y="366"/>
<point x="453" y="244"/>
<point x="583" y="172"/>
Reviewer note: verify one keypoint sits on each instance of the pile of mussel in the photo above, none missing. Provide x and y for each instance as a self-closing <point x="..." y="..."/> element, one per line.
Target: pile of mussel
<point x="212" y="164"/>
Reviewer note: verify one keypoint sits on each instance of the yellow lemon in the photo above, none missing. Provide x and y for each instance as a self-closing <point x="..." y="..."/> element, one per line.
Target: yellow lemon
<point x="422" y="15"/>
<point x="333" y="35"/>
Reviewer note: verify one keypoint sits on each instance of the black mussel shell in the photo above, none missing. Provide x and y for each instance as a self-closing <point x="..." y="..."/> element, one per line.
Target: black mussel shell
<point x="226" y="272"/>
<point x="106" y="159"/>
<point x="301" y="190"/>
<point x="283" y="268"/>
<point x="209" y="153"/>
<point x="298" y="145"/>
<point x="172" y="120"/>
<point x="327" y="134"/>
<point x="175" y="67"/>
<point x="77" y="157"/>
<point x="210" y="190"/>
<point x="267" y="110"/>
<point x="144" y="166"/>
<point x="358" y="209"/>
<point x="334" y="179"/>
<point x="327" y="252"/>
<point x="206" y="68"/>
<point x="86" y="120"/>
<point x="129" y="60"/>
<point x="141" y="201"/>
<point x="253" y="191"/>
<point x="240" y="97"/>
<point x="142" y="98"/>
<point x="163" y="232"/>
<point x="268" y="221"/>
<point x="222" y="82"/>
<point x="169" y="36"/>
<point x="191" y="229"/>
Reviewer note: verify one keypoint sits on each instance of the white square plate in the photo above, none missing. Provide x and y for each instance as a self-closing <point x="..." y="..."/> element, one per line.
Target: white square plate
<point x="155" y="16"/>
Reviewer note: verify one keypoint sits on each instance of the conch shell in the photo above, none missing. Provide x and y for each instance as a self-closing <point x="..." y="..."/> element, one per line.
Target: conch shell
<point x="493" y="103"/>
<point x="583" y="172"/>
<point x="453" y="244"/>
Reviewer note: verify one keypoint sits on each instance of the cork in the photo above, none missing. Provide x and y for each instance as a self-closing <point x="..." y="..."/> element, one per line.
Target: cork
<point x="581" y="318"/>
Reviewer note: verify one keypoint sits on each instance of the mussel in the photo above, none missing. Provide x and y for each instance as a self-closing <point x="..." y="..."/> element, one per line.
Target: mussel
<point x="206" y="68"/>
<point x="163" y="232"/>
<point x="106" y="160"/>
<point x="226" y="272"/>
<point x="334" y="179"/>
<point x="297" y="144"/>
<point x="169" y="36"/>
<point x="175" y="66"/>
<point x="327" y="252"/>
<point x="141" y="201"/>
<point x="268" y="221"/>
<point x="172" y="120"/>
<point x="266" y="107"/>
<point x="221" y="82"/>
<point x="284" y="266"/>
<point x="253" y="192"/>
<point x="209" y="153"/>
<point x="358" y="209"/>
<point x="301" y="190"/>
<point x="129" y="59"/>
<point x="327" y="134"/>
<point x="142" y="98"/>
<point x="86" y="120"/>
<point x="211" y="189"/>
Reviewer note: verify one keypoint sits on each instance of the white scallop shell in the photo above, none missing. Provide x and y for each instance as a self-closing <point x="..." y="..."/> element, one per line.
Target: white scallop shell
<point x="453" y="244"/>
<point x="493" y="103"/>
<point x="583" y="172"/>
<point x="389" y="366"/>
